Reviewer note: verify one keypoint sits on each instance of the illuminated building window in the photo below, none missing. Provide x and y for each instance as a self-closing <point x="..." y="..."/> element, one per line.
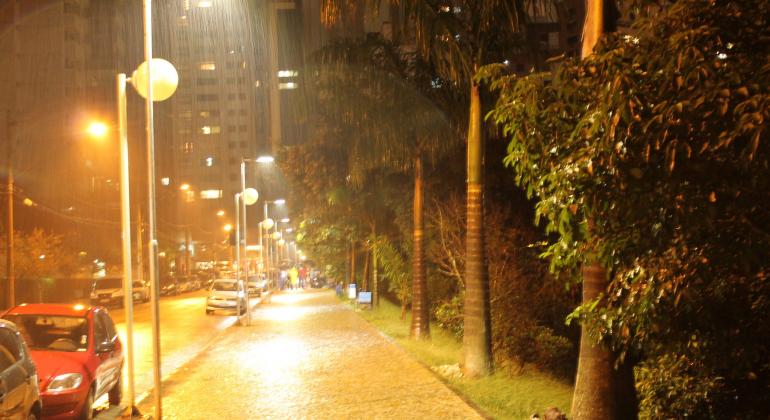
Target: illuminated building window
<point x="211" y="194"/>
<point x="208" y="66"/>
<point x="287" y="85"/>
<point x="165" y="181"/>
<point x="210" y="129"/>
<point x="188" y="147"/>
<point x="288" y="73"/>
<point x="209" y="161"/>
<point x="205" y="3"/>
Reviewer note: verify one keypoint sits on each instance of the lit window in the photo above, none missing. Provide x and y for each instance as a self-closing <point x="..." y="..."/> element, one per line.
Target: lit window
<point x="288" y="85"/>
<point x="210" y="129"/>
<point x="209" y="161"/>
<point x="288" y="73"/>
<point x="165" y="181"/>
<point x="211" y="194"/>
<point x="208" y="66"/>
<point x="204" y="3"/>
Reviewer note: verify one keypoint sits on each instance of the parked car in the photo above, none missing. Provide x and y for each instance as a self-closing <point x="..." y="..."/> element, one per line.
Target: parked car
<point x="141" y="291"/>
<point x="78" y="355"/>
<point x="19" y="393"/>
<point x="168" y="286"/>
<point x="226" y="294"/>
<point x="108" y="291"/>
<point x="256" y="285"/>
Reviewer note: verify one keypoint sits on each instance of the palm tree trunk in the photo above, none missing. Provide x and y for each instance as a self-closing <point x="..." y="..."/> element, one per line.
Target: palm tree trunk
<point x="375" y="276"/>
<point x="477" y="339"/>
<point x="420" y="327"/>
<point x="601" y="391"/>
<point x="593" y="395"/>
<point x="365" y="275"/>
<point x="352" y="262"/>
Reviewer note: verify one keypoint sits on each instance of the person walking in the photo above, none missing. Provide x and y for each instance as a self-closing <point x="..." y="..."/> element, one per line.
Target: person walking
<point x="293" y="277"/>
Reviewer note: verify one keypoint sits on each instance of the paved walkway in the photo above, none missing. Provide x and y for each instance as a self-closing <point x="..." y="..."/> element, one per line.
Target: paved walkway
<point x="307" y="356"/>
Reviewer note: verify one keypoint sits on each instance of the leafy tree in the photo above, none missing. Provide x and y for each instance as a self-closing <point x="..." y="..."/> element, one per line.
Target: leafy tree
<point x="657" y="139"/>
<point x="385" y="93"/>
<point x="37" y="255"/>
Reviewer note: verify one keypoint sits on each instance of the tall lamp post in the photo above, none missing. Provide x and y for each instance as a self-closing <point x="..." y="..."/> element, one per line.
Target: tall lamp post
<point x="155" y="80"/>
<point x="267" y="225"/>
<point x="246" y="197"/>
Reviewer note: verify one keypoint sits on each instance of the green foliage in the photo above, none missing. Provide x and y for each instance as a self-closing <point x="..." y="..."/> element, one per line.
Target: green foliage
<point x="449" y="315"/>
<point x="675" y="387"/>
<point x="658" y="140"/>
<point x="395" y="269"/>
<point x="39" y="254"/>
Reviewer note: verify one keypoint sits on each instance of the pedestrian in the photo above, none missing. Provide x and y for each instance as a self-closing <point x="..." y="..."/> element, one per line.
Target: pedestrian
<point x="293" y="277"/>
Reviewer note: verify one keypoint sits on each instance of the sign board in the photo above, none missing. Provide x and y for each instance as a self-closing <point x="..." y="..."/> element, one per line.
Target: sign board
<point x="352" y="291"/>
<point x="365" y="297"/>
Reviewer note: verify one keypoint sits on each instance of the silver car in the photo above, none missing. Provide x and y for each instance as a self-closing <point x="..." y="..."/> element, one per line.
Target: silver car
<point x="226" y="294"/>
<point x="19" y="393"/>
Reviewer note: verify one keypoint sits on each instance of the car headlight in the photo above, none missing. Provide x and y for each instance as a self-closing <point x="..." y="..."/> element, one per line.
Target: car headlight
<point x="65" y="382"/>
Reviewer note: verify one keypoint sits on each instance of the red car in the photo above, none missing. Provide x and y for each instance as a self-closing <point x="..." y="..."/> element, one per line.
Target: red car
<point x="78" y="356"/>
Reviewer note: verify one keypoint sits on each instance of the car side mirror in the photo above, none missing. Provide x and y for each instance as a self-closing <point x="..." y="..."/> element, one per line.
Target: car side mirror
<point x="105" y="347"/>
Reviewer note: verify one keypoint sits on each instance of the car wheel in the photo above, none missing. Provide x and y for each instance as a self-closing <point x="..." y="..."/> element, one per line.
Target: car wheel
<point x="116" y="393"/>
<point x="88" y="407"/>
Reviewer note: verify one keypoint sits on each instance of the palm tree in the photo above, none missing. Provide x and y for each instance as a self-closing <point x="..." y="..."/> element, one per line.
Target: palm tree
<point x="459" y="37"/>
<point x="387" y="93"/>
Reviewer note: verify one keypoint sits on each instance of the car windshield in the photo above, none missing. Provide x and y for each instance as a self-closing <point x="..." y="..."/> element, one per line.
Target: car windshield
<point x="111" y="283"/>
<point x="224" y="286"/>
<point x="52" y="332"/>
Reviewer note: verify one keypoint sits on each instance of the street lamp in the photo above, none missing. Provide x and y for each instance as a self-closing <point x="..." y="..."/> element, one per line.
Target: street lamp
<point x="249" y="199"/>
<point x="267" y="225"/>
<point x="155" y="80"/>
<point x="246" y="197"/>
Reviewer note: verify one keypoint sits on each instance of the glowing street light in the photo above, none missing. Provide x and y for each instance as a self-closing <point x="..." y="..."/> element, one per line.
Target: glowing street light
<point x="155" y="80"/>
<point x="227" y="228"/>
<point x="97" y="129"/>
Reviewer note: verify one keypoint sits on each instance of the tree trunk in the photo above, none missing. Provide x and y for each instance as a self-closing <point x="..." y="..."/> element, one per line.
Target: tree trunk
<point x="477" y="339"/>
<point x="592" y="398"/>
<point x="352" y="263"/>
<point x="365" y="275"/>
<point x="375" y="279"/>
<point x="601" y="392"/>
<point x="420" y="327"/>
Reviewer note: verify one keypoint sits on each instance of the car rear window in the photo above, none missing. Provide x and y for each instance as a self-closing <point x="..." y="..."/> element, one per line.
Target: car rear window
<point x="52" y="332"/>
<point x="223" y="286"/>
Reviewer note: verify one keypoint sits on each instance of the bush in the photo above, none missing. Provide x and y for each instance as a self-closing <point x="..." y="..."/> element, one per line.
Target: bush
<point x="674" y="387"/>
<point x="449" y="315"/>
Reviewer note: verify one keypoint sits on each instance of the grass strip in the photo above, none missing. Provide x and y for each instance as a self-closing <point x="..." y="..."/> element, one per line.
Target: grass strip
<point x="501" y="395"/>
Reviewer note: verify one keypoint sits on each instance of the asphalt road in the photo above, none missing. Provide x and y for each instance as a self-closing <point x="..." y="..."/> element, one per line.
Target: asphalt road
<point x="185" y="330"/>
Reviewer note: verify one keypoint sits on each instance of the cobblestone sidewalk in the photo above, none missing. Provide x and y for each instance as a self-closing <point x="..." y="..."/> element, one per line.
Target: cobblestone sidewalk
<point x="307" y="356"/>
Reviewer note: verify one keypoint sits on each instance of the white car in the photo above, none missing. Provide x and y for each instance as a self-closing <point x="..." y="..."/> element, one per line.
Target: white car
<point x="226" y="294"/>
<point x="256" y="285"/>
<point x="108" y="291"/>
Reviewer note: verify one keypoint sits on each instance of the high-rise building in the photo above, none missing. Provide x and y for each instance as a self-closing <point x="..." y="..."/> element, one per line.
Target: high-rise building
<point x="217" y="116"/>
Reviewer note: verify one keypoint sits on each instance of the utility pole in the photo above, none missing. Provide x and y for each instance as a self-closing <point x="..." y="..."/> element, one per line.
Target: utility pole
<point x="139" y="247"/>
<point x="12" y="122"/>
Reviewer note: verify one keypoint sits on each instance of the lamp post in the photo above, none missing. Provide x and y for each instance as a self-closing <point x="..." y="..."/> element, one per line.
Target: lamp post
<point x="268" y="224"/>
<point x="246" y="197"/>
<point x="159" y="76"/>
<point x="249" y="199"/>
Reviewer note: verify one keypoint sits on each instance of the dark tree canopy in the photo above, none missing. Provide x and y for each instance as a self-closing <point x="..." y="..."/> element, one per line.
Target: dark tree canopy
<point x="660" y="138"/>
